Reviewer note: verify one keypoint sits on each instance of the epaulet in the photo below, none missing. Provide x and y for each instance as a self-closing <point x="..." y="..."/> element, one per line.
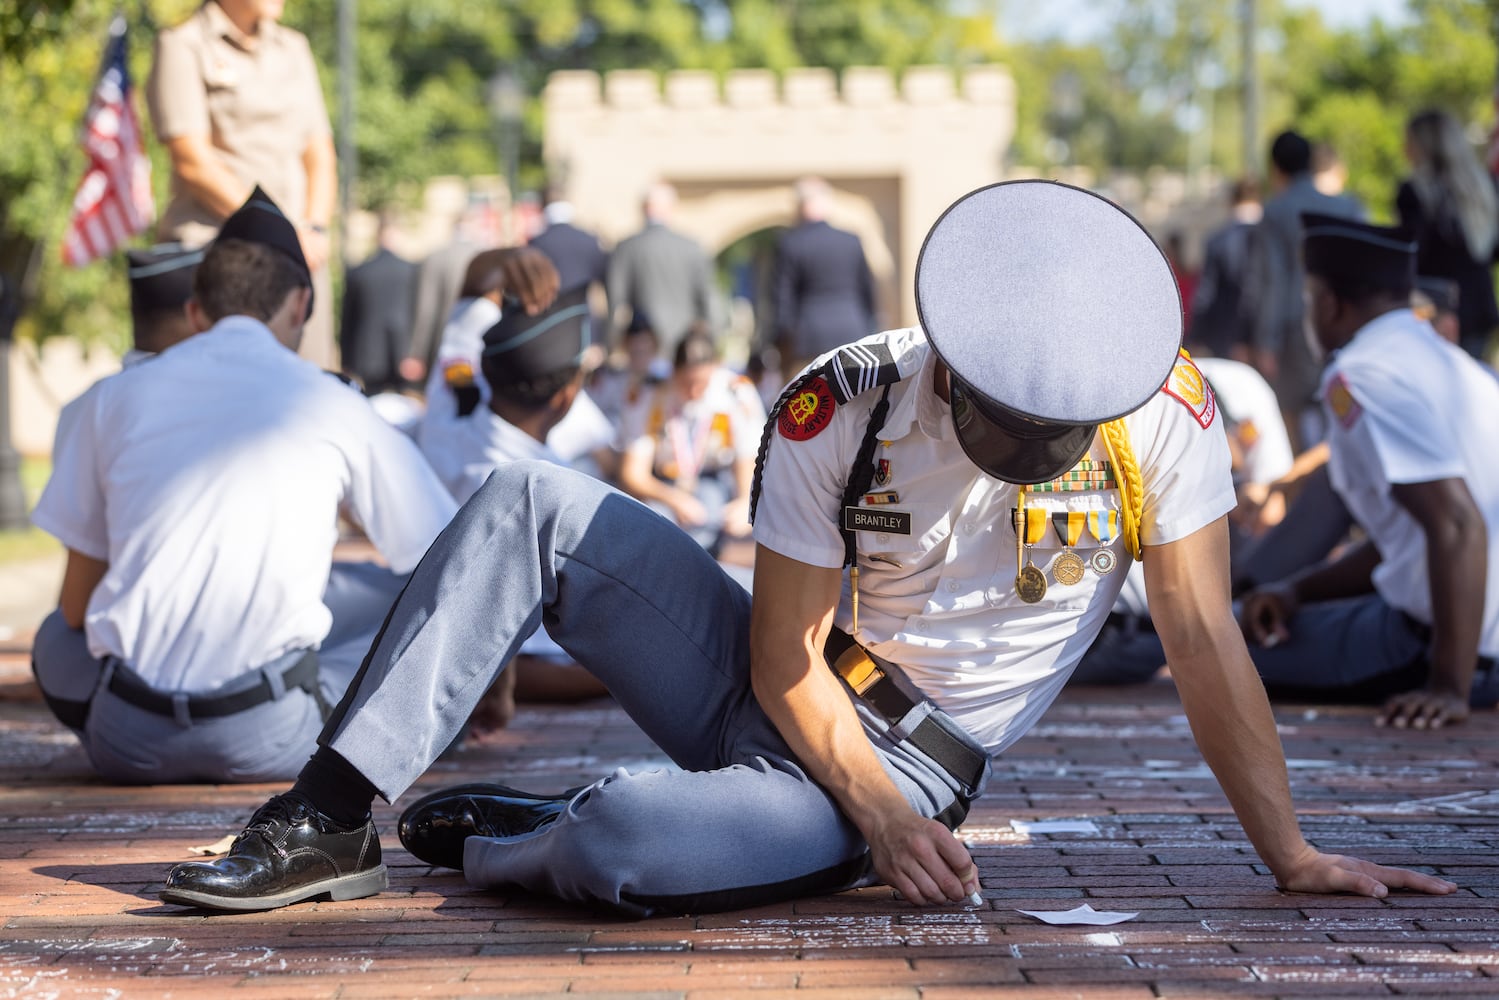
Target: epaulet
<point x="1186" y="385"/>
<point x="806" y="405"/>
<point x="345" y="378"/>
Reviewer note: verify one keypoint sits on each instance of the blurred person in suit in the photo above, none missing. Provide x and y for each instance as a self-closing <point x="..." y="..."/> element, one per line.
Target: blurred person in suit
<point x="375" y="331"/>
<point x="824" y="294"/>
<point x="661" y="272"/>
<point x="1276" y="280"/>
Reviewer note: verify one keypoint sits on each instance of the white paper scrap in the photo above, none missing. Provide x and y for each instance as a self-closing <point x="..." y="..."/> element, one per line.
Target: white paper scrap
<point x="220" y="846"/>
<point x="1053" y="826"/>
<point x="1084" y="914"/>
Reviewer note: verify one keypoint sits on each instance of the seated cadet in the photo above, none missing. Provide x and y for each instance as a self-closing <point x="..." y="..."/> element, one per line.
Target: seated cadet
<point x="689" y="445"/>
<point x="1411" y="616"/>
<point x="508" y="278"/>
<point x="453" y="388"/>
<point x="202" y="629"/>
<point x="618" y="387"/>
<point x="944" y="464"/>
<point x="161" y="282"/>
<point x="532" y="365"/>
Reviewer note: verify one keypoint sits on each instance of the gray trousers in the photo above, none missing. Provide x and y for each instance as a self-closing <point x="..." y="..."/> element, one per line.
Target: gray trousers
<point x="269" y="742"/>
<point x="642" y="606"/>
<point x="1357" y="650"/>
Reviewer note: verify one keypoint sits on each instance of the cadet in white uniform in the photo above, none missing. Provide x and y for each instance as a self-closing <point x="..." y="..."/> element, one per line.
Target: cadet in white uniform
<point x="198" y="495"/>
<point x="689" y="444"/>
<point x="1410" y="617"/>
<point x="1051" y="322"/>
<point x="457" y="389"/>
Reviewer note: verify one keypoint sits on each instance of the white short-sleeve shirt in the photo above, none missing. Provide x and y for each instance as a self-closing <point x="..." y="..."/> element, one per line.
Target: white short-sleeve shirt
<point x="481" y="443"/>
<point x="1250" y="403"/>
<point x="694" y="437"/>
<point x="1405" y="406"/>
<point x="939" y="599"/>
<point x="211" y="479"/>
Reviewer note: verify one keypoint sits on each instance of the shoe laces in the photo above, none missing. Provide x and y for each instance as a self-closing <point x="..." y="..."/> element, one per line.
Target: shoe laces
<point x="272" y="821"/>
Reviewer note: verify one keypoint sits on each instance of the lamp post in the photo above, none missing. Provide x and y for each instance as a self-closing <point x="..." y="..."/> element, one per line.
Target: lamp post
<point x="507" y="102"/>
<point x="1248" y="26"/>
<point x="347" y="165"/>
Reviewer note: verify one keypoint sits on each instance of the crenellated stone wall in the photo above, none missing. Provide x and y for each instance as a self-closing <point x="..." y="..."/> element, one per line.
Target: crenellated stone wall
<point x="897" y="150"/>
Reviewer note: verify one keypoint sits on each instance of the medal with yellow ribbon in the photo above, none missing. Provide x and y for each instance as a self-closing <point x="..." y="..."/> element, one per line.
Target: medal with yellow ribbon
<point x="1104" y="526"/>
<point x="1068" y="567"/>
<point x="1030" y="528"/>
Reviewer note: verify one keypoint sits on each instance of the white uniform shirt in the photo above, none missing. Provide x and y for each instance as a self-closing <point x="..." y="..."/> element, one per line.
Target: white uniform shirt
<point x="1405" y="406"/>
<point x="696" y="437"/>
<point x="479" y="444"/>
<point x="940" y="601"/>
<point x="443" y="434"/>
<point x="1249" y="401"/>
<point x="211" y="479"/>
<point x="582" y="431"/>
<point x="462" y="343"/>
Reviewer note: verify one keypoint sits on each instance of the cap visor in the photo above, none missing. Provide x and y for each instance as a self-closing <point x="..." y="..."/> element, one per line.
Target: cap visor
<point x="1028" y="453"/>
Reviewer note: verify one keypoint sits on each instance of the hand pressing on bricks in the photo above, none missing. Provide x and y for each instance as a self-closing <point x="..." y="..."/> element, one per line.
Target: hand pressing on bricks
<point x="1313" y="871"/>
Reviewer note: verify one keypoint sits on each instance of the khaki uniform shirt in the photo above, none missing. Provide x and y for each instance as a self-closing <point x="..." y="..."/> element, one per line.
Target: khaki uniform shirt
<point x="258" y="100"/>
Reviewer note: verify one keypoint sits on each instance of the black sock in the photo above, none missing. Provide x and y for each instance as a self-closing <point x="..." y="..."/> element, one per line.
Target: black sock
<point x="335" y="788"/>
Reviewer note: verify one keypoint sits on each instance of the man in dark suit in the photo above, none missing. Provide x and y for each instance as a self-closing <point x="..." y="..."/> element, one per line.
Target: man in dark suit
<point x="824" y="294"/>
<point x="661" y="273"/>
<point x="1280" y="348"/>
<point x="375" y="332"/>
<point x="575" y="252"/>
<point x="1221" y="319"/>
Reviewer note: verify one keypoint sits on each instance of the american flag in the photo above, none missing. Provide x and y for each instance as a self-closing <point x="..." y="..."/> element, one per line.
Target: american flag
<point x="113" y="201"/>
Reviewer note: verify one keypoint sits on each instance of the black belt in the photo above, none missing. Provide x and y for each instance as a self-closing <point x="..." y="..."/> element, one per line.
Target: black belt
<point x="129" y="688"/>
<point x="873" y="680"/>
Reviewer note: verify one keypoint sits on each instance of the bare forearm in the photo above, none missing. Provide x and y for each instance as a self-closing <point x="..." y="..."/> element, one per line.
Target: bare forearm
<point x="1457" y="566"/>
<point x="322" y="180"/>
<point x="206" y="177"/>
<point x="813" y="714"/>
<point x="1235" y="730"/>
<point x="1349" y="575"/>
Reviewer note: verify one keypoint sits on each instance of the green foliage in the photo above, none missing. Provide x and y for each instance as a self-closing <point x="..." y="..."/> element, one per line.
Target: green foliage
<point x="1356" y="89"/>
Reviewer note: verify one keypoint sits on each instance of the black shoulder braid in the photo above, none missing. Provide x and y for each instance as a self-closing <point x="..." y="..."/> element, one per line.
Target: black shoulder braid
<point x="853" y="370"/>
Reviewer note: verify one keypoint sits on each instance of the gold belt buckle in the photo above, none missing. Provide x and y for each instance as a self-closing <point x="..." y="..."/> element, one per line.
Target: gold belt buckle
<point x="855" y="667"/>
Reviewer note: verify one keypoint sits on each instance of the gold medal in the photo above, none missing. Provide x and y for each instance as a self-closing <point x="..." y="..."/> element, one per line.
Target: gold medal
<point x="1068" y="568"/>
<point x="1103" y="561"/>
<point x="1030" y="584"/>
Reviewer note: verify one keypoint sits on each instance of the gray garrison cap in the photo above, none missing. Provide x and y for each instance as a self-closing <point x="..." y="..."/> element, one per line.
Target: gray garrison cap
<point x="1054" y="312"/>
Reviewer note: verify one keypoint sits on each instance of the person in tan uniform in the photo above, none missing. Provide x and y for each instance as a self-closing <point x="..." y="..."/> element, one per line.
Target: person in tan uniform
<point x="234" y="97"/>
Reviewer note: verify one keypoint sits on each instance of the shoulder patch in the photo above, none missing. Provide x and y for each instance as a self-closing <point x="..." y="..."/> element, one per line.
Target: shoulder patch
<point x="807" y="411"/>
<point x="1186" y="385"/>
<point x="1340" y="400"/>
<point x="457" y="373"/>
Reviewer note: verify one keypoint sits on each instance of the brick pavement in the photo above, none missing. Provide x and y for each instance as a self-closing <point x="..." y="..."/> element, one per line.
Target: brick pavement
<point x="79" y="863"/>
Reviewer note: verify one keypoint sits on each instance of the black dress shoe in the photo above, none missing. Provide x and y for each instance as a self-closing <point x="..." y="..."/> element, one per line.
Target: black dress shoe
<point x="289" y="852"/>
<point x="435" y="827"/>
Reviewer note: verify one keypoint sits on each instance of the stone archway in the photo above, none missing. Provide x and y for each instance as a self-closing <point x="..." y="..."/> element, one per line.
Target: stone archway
<point x="896" y="152"/>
